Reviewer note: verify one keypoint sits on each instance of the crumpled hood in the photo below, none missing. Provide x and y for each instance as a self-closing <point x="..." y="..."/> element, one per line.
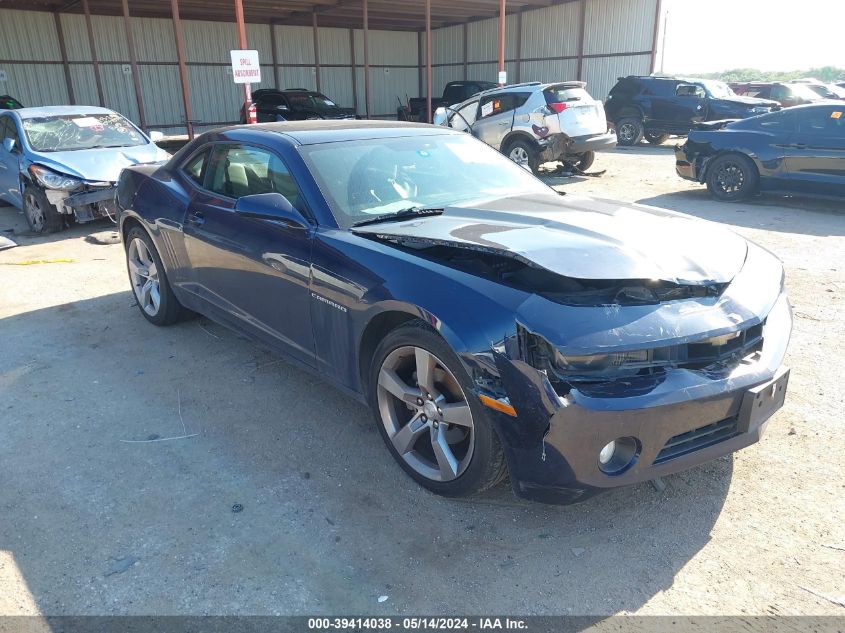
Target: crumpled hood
<point x="750" y="101"/>
<point x="583" y="238"/>
<point x="99" y="165"/>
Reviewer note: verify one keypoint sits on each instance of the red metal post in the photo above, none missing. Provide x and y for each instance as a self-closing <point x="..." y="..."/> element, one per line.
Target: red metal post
<point x="93" y="47"/>
<point x="183" y="69"/>
<point x="239" y="18"/>
<point x="63" y="50"/>
<point x="354" y="70"/>
<point x="428" y="59"/>
<point x="466" y="51"/>
<point x="502" y="36"/>
<point x="657" y="14"/>
<point x="316" y="47"/>
<point x="133" y="62"/>
<point x="582" y="27"/>
<point x="518" y="77"/>
<point x="366" y="60"/>
<point x="274" y="51"/>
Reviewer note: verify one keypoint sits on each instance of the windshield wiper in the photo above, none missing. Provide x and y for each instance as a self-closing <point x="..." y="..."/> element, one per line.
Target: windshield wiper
<point x="402" y="214"/>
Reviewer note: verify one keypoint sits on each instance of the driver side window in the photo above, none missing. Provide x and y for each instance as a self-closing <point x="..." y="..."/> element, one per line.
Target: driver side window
<point x="239" y="170"/>
<point x="690" y="90"/>
<point x="8" y="130"/>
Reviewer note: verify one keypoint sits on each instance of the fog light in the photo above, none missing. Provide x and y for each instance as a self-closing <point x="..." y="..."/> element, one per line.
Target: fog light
<point x="619" y="455"/>
<point x="607" y="453"/>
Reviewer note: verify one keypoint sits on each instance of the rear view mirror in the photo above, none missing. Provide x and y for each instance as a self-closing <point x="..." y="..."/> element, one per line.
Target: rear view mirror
<point x="270" y="206"/>
<point x="9" y="144"/>
<point x="440" y="116"/>
<point x="156" y="136"/>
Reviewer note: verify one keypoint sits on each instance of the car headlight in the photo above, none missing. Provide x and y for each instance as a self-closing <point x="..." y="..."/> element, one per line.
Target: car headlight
<point x="600" y="362"/>
<point x="53" y="180"/>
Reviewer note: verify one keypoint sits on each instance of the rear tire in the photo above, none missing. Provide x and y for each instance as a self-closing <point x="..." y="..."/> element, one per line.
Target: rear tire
<point x="629" y="131"/>
<point x="148" y="280"/>
<point x="732" y="177"/>
<point x="582" y="161"/>
<point x="412" y="365"/>
<point x="41" y="216"/>
<point x="524" y="154"/>
<point x="656" y="138"/>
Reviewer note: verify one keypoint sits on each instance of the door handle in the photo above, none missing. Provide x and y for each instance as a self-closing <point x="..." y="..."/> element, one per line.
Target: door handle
<point x="504" y="123"/>
<point x="196" y="217"/>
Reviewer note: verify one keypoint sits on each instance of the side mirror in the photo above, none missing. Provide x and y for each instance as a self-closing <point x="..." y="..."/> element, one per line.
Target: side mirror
<point x="282" y="108"/>
<point x="270" y="206"/>
<point x="9" y="145"/>
<point x="156" y="136"/>
<point x="440" y="116"/>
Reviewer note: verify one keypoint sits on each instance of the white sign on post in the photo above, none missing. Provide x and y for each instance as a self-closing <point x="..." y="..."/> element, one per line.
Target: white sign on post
<point x="503" y="77"/>
<point x="245" y="67"/>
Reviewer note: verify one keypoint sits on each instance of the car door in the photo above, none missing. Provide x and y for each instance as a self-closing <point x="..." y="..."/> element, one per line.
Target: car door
<point x="816" y="160"/>
<point x="495" y="119"/>
<point x="10" y="162"/>
<point x="252" y="273"/>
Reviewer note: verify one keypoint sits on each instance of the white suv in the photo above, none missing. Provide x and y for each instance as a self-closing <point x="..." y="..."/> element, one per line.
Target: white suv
<point x="534" y="123"/>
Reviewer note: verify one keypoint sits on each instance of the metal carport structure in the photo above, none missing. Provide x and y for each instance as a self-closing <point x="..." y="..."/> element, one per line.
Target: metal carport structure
<point x="153" y="58"/>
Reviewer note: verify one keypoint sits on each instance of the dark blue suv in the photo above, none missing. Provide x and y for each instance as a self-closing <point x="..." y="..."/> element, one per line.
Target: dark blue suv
<point x="657" y="107"/>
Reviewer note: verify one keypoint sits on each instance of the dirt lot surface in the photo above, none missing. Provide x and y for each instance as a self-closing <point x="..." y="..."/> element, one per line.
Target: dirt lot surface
<point x="93" y="522"/>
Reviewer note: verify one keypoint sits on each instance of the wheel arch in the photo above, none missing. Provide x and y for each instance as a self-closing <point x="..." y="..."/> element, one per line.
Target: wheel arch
<point x="517" y="135"/>
<point x="386" y="318"/>
<point x="705" y="167"/>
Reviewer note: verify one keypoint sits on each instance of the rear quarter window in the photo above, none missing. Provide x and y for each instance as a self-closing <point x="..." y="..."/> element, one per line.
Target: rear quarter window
<point x="566" y="95"/>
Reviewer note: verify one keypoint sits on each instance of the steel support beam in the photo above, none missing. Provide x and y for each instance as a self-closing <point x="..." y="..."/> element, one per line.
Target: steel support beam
<point x="353" y="69"/>
<point x="502" y="34"/>
<point x="657" y="14"/>
<point x="94" y="63"/>
<point x="518" y="46"/>
<point x="582" y="27"/>
<point x="428" y="59"/>
<point x="133" y="62"/>
<point x="274" y="52"/>
<point x="316" y="47"/>
<point x="183" y="69"/>
<point x="242" y="43"/>
<point x="63" y="50"/>
<point x="466" y="50"/>
<point x="366" y="59"/>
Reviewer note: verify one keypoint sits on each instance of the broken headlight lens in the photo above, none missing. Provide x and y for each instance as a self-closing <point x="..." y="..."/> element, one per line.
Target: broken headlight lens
<point x="53" y="180"/>
<point x="595" y="363"/>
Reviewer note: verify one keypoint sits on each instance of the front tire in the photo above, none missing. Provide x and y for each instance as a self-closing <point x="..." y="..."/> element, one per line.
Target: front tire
<point x="431" y="422"/>
<point x="41" y="216"/>
<point x="629" y="131"/>
<point x="149" y="282"/>
<point x="525" y="155"/>
<point x="732" y="177"/>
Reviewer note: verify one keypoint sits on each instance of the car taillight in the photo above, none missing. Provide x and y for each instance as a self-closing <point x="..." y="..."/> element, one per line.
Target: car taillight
<point x="557" y="107"/>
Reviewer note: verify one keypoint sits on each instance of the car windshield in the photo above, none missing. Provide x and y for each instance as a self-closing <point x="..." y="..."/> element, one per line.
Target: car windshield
<point x="718" y="89"/>
<point x="80" y="131"/>
<point x="310" y="101"/>
<point x="366" y="178"/>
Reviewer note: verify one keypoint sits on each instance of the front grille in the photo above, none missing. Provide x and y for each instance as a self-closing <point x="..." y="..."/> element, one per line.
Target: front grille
<point x="697" y="439"/>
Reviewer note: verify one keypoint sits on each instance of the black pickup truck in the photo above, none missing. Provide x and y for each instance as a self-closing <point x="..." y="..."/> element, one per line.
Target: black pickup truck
<point x="454" y="92"/>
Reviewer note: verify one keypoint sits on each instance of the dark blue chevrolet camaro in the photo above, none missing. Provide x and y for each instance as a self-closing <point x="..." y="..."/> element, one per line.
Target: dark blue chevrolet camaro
<point x="493" y="326"/>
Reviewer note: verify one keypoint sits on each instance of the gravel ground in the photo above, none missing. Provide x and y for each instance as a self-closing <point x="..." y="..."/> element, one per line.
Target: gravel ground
<point x="93" y="524"/>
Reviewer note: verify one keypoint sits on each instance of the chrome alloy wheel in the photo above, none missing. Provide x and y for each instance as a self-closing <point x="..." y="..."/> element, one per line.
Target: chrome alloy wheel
<point x="143" y="274"/>
<point x="34" y="211"/>
<point x="425" y="413"/>
<point x="627" y="132"/>
<point x="519" y="155"/>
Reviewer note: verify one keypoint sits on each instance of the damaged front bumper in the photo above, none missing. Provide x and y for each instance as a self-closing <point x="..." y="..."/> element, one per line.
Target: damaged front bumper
<point x="681" y="418"/>
<point x="94" y="202"/>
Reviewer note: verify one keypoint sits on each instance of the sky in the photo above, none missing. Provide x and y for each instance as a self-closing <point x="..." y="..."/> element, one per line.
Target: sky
<point x="718" y="35"/>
